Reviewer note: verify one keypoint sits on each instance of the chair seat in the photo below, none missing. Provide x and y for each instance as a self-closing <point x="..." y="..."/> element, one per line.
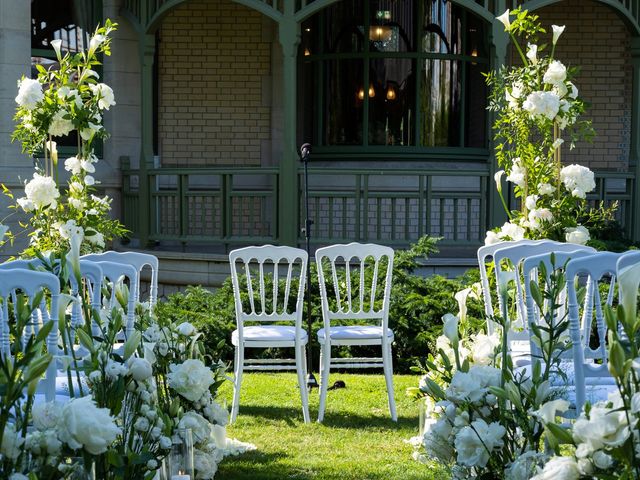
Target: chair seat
<point x="62" y="384"/>
<point x="354" y="332"/>
<point x="269" y="333"/>
<point x="569" y="378"/>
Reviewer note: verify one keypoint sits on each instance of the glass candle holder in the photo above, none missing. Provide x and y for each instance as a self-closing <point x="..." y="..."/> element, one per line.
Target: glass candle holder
<point x="181" y="465"/>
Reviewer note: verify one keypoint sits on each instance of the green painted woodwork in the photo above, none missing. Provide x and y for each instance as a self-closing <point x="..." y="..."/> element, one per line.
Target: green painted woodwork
<point x="634" y="160"/>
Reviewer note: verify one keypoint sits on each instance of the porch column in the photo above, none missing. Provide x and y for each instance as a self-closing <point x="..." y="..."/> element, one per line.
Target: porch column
<point x="634" y="157"/>
<point x="289" y="36"/>
<point x="147" y="52"/>
<point x="499" y="44"/>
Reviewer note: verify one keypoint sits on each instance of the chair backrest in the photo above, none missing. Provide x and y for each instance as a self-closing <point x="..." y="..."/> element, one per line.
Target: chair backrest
<point x="484" y="253"/>
<point x="341" y="262"/>
<point x="137" y="260"/>
<point x="116" y="273"/>
<point x="596" y="267"/>
<point x="93" y="275"/>
<point x="627" y="269"/>
<point x="552" y="261"/>
<point x="252" y="268"/>
<point x="515" y="254"/>
<point x="30" y="283"/>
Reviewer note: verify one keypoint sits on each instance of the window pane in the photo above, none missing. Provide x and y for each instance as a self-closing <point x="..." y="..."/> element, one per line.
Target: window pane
<point x="71" y="21"/>
<point x="442" y="27"/>
<point x="391" y="26"/>
<point x="343" y="32"/>
<point x="391" y="106"/>
<point x="344" y="97"/>
<point x="476" y="105"/>
<point x="476" y="42"/>
<point x="439" y="103"/>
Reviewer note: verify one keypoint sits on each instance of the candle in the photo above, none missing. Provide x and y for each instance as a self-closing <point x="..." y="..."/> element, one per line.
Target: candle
<point x="180" y="476"/>
<point x="220" y="436"/>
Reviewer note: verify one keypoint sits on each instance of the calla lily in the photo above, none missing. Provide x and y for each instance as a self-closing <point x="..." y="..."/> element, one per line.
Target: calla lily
<point x="53" y="151"/>
<point x="504" y="19"/>
<point x="498" y="179"/>
<point x="532" y="53"/>
<point x="629" y="280"/>
<point x="557" y="31"/>
<point x="547" y="412"/>
<point x="57" y="44"/>
<point x="461" y="298"/>
<point x="73" y="256"/>
<point x="450" y="328"/>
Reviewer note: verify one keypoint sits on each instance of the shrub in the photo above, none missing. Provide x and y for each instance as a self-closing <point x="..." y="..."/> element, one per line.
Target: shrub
<point x="417" y="306"/>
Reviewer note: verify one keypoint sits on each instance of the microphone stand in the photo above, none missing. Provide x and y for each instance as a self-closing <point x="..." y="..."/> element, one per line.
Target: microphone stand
<point x="305" y="150"/>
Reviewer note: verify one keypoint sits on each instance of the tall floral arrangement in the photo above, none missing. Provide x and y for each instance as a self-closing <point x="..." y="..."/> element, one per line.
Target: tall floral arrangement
<point x="57" y="103"/>
<point x="538" y="108"/>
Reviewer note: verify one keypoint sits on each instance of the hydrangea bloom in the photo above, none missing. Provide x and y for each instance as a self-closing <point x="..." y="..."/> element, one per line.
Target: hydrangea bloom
<point x="41" y="191"/>
<point x="578" y="180"/>
<point x="29" y="93"/>
<point x="542" y="104"/>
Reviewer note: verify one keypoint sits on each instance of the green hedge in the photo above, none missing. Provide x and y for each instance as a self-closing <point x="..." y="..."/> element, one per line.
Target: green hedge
<point x="417" y="306"/>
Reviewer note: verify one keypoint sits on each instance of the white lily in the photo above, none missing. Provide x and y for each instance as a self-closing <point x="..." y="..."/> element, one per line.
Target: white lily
<point x="504" y="19"/>
<point x="557" y="31"/>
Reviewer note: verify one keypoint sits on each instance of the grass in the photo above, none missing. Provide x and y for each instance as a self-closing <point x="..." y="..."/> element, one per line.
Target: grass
<point x="357" y="441"/>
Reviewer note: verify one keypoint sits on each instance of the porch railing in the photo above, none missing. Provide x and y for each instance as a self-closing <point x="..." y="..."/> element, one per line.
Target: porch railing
<point x="230" y="206"/>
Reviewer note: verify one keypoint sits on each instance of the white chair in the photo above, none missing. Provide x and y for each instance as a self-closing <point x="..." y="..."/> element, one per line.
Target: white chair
<point x="355" y="305"/>
<point x="117" y="273"/>
<point x="30" y="283"/>
<point x="137" y="260"/>
<point x="591" y="375"/>
<point x="270" y="310"/>
<point x="514" y="255"/>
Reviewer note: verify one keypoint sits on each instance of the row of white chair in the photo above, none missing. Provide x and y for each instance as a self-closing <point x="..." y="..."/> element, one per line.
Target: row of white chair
<point x="355" y="289"/>
<point x="27" y="278"/>
<point x="585" y="376"/>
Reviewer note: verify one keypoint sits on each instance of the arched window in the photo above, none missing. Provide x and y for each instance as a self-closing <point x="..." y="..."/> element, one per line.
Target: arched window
<point x="394" y="73"/>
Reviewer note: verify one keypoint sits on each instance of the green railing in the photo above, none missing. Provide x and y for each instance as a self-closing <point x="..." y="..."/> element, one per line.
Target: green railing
<point x="230" y="206"/>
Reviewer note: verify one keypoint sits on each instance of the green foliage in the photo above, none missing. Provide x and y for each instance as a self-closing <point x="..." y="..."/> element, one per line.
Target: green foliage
<point x="417" y="306"/>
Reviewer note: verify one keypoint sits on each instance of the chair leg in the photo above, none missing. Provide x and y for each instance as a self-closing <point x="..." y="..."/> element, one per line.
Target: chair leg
<point x="324" y="379"/>
<point x="302" y="382"/>
<point x="387" y="361"/>
<point x="239" y="357"/>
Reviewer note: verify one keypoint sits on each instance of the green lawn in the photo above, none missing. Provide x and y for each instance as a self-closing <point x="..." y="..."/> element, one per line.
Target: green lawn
<point x="357" y="441"/>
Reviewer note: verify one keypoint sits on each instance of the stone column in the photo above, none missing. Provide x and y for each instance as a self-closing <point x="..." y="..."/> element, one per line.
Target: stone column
<point x="121" y="71"/>
<point x="15" y="61"/>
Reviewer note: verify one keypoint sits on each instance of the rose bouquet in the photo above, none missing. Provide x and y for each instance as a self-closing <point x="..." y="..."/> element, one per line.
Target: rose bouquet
<point x="56" y="104"/>
<point x="537" y="110"/>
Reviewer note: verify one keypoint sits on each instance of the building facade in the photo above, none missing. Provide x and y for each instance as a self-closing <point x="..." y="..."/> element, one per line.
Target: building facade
<point x="214" y="98"/>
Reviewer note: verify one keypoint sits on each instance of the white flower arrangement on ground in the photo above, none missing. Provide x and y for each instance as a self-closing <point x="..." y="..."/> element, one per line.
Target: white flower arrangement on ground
<point x="484" y="417"/>
<point x="56" y="104"/>
<point x="537" y="112"/>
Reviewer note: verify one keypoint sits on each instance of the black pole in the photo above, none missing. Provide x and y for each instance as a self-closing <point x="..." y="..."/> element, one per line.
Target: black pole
<point x="305" y="150"/>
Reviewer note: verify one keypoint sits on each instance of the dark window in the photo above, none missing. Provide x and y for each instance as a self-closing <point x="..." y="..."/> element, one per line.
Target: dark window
<point x="404" y="73"/>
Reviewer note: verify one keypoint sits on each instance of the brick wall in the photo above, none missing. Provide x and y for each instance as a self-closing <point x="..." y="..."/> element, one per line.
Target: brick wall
<point x="214" y="64"/>
<point x="597" y="40"/>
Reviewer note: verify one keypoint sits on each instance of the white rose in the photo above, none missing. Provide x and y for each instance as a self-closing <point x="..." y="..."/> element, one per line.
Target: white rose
<point x="602" y="460"/>
<point x="539" y="215"/>
<point x="530" y="202"/>
<point x="76" y="187"/>
<point x="474" y="445"/>
<point x="559" y="468"/>
<point x="104" y="94"/>
<point x="87" y="166"/>
<point x="76" y="203"/>
<point x="200" y="427"/>
<point x="492" y="238"/>
<point x="205" y="464"/>
<point x="511" y="231"/>
<point x="141" y="424"/>
<point x="517" y="173"/>
<point x="578" y="180"/>
<point x="186" y="329"/>
<point x="18" y="476"/>
<point x="545" y="104"/>
<point x="29" y="93"/>
<point x="139" y="368"/>
<point x="73" y="165"/>
<point x="96" y="239"/>
<point x="84" y="425"/>
<point x="483" y="348"/>
<point x="191" y="379"/>
<point x="635" y="401"/>
<point x="556" y="73"/>
<point x="12" y="442"/>
<point x="46" y="415"/>
<point x="42" y="191"/>
<point x="26" y="204"/>
<point x="60" y="126"/>
<point x="546" y="189"/>
<point x="216" y="413"/>
<point x="89" y="180"/>
<point x="524" y="466"/>
<point x="579" y="235"/>
<point x="605" y="427"/>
